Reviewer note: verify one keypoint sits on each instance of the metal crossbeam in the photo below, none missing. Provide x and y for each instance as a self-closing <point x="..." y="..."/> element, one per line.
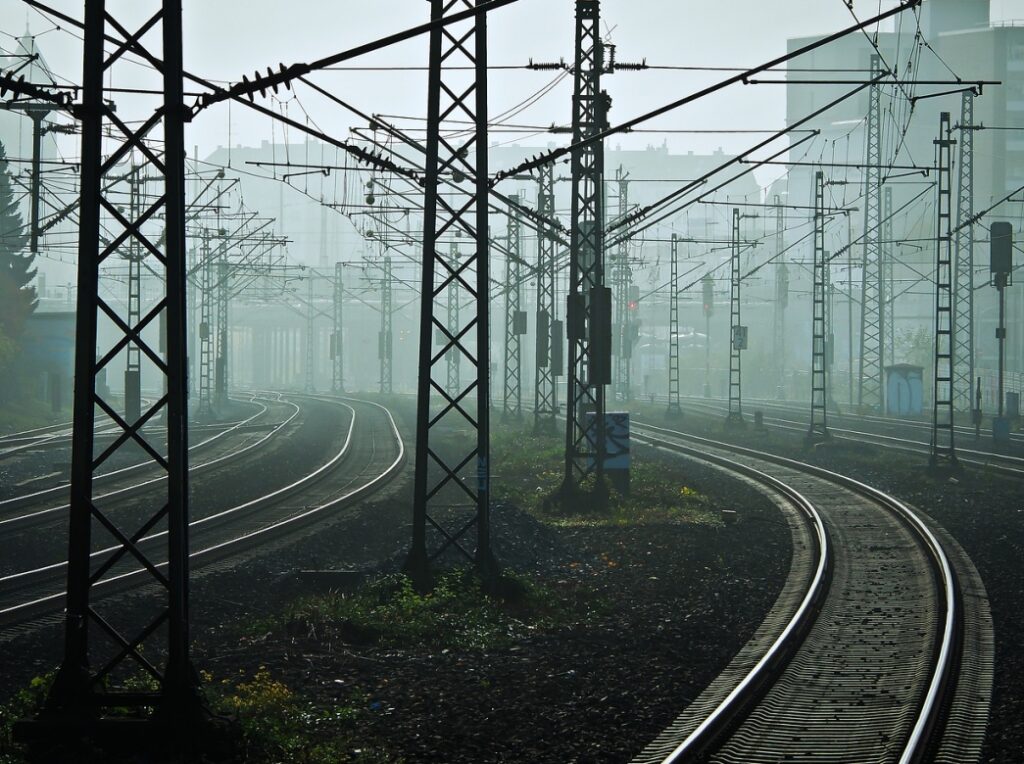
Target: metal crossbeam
<point x="873" y="300"/>
<point x="515" y="319"/>
<point x="943" y="446"/>
<point x="820" y="330"/>
<point x="80" y="688"/>
<point x="674" y="409"/>
<point x="548" y="330"/>
<point x="963" y="285"/>
<point x="735" y="338"/>
<point x="589" y="301"/>
<point x="451" y="493"/>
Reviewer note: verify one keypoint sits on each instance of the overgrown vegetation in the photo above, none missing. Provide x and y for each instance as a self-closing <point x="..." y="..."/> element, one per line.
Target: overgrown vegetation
<point x="274" y="724"/>
<point x="277" y="725"/>
<point x="528" y="472"/>
<point x="456" y="614"/>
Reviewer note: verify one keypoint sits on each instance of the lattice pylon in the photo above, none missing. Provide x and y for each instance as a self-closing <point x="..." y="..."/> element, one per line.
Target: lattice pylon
<point x="158" y="625"/>
<point x="589" y="304"/>
<point x="963" y="287"/>
<point x="943" y="443"/>
<point x="872" y="323"/>
<point x="818" y="429"/>
<point x="545" y="404"/>
<point x="451" y="489"/>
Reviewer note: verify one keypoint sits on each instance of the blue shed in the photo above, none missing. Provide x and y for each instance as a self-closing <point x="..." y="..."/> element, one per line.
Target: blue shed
<point x="904" y="390"/>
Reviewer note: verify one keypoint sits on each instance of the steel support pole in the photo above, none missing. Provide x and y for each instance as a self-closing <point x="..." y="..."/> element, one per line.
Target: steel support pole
<point x="674" y="409"/>
<point x="92" y="670"/>
<point x="872" y="315"/>
<point x="451" y="489"/>
<point x="512" y="400"/>
<point x="820" y="329"/>
<point x="588" y="314"/>
<point x="545" y="403"/>
<point x="310" y="335"/>
<point x="337" y="336"/>
<point x="621" y="282"/>
<point x="386" y="339"/>
<point x="735" y="416"/>
<point x="781" y="301"/>
<point x="963" y="288"/>
<point x="943" y="445"/>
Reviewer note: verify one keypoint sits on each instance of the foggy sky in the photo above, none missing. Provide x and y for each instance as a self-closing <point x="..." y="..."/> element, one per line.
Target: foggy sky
<point x="223" y="44"/>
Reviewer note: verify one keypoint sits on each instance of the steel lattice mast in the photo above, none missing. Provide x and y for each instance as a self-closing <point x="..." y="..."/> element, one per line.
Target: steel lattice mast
<point x="888" y="278"/>
<point x="453" y="319"/>
<point x="337" y="335"/>
<point x="309" y="340"/>
<point x="736" y="338"/>
<point x="819" y="325"/>
<point x="589" y="301"/>
<point x="963" y="287"/>
<point x="622" y="276"/>
<point x="549" y="331"/>
<point x="221" y="356"/>
<point x="943" y="446"/>
<point x="512" y="401"/>
<point x="781" y="301"/>
<point x="133" y="355"/>
<point x="872" y="315"/>
<point x="206" y="313"/>
<point x="673" y="332"/>
<point x="87" y="677"/>
<point x="385" y="340"/>
<point x="451" y="493"/>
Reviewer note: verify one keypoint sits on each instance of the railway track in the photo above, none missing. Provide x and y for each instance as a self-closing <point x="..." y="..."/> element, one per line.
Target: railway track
<point x="884" y="654"/>
<point x="370" y="454"/>
<point x="241" y="440"/>
<point x="213" y="438"/>
<point x="1002" y="463"/>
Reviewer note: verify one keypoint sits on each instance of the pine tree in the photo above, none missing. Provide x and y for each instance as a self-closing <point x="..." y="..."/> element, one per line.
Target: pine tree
<point x="17" y="296"/>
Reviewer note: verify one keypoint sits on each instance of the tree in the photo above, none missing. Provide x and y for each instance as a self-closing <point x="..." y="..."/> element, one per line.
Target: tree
<point x="17" y="297"/>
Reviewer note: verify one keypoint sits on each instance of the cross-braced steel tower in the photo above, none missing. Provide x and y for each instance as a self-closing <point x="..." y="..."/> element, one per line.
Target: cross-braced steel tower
<point x="781" y="302"/>
<point x="963" y="286"/>
<point x="622" y="279"/>
<point x="206" y="336"/>
<point x="888" y="277"/>
<point x="103" y="644"/>
<point x="512" y="402"/>
<point x="674" y="409"/>
<point x="337" y="333"/>
<point x="943" y="446"/>
<point x="820" y="330"/>
<point x="872" y="314"/>
<point x="453" y="318"/>
<point x="309" y="338"/>
<point x="589" y="301"/>
<point x="386" y="338"/>
<point x="133" y="355"/>
<point x="221" y="354"/>
<point x="451" y="493"/>
<point x="545" y="402"/>
<point x="737" y="333"/>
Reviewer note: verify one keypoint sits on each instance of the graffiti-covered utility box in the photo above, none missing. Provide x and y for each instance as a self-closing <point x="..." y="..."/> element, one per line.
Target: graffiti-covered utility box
<point x="617" y="457"/>
<point x="904" y="390"/>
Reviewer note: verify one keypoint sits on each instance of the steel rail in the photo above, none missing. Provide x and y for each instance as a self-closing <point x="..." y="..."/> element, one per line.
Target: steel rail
<point x="274" y="530"/>
<point x="32" y="518"/>
<point x="947" y="656"/>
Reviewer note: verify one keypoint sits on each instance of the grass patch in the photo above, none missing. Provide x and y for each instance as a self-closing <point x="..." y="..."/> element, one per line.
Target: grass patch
<point x="25" y="703"/>
<point x="457" y="614"/>
<point x="277" y="725"/>
<point x="528" y="472"/>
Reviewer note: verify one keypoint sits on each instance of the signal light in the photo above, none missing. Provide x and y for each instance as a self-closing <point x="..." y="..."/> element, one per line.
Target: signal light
<point x="634" y="305"/>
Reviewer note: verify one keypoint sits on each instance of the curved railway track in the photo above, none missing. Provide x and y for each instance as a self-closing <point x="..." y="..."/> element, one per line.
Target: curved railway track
<point x="370" y="454"/>
<point x="243" y="439"/>
<point x="1002" y="463"/>
<point x="886" y="657"/>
